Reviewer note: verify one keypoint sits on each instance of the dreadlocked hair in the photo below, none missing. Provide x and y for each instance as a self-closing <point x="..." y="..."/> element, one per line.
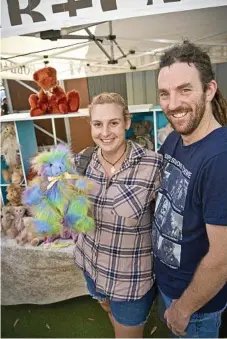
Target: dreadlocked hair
<point x="192" y="54"/>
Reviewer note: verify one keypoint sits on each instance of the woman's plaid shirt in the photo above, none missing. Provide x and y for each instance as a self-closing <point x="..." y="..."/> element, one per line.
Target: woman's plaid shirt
<point x="118" y="254"/>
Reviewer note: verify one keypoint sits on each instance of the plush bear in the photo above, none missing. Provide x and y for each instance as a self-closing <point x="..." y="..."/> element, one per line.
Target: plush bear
<point x="7" y="219"/>
<point x="28" y="234"/>
<point x="52" y="99"/>
<point x="14" y="174"/>
<point x="57" y="196"/>
<point x="142" y="134"/>
<point x="9" y="144"/>
<point x="164" y="132"/>
<point x="17" y="225"/>
<point x="13" y="195"/>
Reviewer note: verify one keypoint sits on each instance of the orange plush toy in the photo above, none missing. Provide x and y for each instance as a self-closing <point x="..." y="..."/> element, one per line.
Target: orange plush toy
<point x="51" y="98"/>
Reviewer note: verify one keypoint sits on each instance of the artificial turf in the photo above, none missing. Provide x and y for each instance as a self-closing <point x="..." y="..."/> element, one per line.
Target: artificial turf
<point x="81" y="317"/>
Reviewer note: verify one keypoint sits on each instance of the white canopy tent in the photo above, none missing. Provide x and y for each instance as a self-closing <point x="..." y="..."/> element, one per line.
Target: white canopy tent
<point x="115" y="46"/>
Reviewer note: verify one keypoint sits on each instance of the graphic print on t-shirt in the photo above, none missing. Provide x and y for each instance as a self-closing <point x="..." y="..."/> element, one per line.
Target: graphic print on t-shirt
<point x="168" y="224"/>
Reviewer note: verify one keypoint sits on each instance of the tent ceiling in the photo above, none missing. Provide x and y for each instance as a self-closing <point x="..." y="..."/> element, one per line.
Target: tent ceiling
<point x="147" y="36"/>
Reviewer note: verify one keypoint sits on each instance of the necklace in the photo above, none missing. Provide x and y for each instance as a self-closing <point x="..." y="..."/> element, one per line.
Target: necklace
<point x="113" y="169"/>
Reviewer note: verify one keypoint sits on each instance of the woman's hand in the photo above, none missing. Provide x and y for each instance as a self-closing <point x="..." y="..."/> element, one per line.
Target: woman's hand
<point x="43" y="185"/>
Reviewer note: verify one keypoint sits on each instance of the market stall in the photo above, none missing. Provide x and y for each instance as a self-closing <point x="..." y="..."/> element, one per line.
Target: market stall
<point x="46" y="275"/>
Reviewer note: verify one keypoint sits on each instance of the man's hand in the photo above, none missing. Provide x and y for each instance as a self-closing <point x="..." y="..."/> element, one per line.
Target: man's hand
<point x="176" y="320"/>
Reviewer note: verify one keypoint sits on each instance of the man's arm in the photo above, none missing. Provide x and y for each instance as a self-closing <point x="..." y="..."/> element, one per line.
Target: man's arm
<point x="209" y="278"/>
<point x="211" y="273"/>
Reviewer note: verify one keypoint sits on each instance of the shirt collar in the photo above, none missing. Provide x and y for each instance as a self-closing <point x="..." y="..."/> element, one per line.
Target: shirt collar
<point x="135" y="153"/>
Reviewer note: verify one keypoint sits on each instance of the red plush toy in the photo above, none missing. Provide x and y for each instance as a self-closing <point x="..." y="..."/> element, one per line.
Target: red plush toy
<point x="51" y="98"/>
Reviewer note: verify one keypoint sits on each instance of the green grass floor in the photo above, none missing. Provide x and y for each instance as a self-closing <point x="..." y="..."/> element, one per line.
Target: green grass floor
<point x="75" y="318"/>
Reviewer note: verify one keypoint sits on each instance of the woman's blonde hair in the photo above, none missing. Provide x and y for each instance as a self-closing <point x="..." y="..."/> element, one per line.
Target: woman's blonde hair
<point x="110" y="98"/>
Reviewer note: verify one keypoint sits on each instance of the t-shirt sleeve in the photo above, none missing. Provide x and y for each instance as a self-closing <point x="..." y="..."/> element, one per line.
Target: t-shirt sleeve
<point x="171" y="138"/>
<point x="161" y="150"/>
<point x="214" y="190"/>
<point x="158" y="176"/>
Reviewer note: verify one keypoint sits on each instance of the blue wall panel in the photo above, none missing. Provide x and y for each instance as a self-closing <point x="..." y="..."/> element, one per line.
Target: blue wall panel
<point x="27" y="139"/>
<point x="3" y="166"/>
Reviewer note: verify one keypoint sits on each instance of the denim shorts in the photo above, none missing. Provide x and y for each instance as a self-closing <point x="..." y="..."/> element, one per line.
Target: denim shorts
<point x="127" y="313"/>
<point x="201" y="325"/>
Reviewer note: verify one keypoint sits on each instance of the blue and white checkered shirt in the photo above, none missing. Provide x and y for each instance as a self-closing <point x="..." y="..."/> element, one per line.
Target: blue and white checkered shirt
<point x="118" y="254"/>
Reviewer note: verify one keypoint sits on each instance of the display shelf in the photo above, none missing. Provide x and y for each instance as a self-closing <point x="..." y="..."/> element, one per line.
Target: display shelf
<point x="25" y="132"/>
<point x="25" y="115"/>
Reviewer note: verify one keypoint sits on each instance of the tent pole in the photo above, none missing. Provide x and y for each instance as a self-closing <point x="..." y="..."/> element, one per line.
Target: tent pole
<point x="111" y="41"/>
<point x="98" y="44"/>
<point x="41" y="57"/>
<point x="122" y="52"/>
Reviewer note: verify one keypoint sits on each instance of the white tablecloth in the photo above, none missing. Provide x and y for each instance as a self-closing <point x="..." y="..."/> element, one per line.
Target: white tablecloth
<point x="37" y="275"/>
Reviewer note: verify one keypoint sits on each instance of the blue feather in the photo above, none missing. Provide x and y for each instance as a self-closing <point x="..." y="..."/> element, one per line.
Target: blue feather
<point x="42" y="226"/>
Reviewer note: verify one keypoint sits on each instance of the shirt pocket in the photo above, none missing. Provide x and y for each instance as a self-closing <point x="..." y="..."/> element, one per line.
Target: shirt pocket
<point x="130" y="201"/>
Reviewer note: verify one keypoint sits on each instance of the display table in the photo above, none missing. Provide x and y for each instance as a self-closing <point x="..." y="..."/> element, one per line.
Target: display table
<point x="37" y="275"/>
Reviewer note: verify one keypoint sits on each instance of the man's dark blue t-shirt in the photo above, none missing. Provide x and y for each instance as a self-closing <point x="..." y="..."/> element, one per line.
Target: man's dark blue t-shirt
<point x="193" y="193"/>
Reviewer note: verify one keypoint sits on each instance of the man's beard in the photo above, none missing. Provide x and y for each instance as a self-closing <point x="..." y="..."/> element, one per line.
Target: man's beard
<point x="195" y="119"/>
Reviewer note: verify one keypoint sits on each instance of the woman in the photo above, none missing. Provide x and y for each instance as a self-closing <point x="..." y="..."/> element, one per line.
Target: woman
<point x="116" y="257"/>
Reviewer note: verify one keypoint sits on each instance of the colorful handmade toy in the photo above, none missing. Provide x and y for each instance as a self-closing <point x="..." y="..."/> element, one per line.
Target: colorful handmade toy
<point x="57" y="197"/>
<point x="52" y="98"/>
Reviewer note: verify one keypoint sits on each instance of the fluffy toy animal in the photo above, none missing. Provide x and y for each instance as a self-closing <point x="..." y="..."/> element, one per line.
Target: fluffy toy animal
<point x="7" y="218"/>
<point x="9" y="145"/>
<point x="28" y="234"/>
<point x="57" y="196"/>
<point x="52" y="98"/>
<point x="14" y="174"/>
<point x="142" y="134"/>
<point x="13" y="195"/>
<point x="163" y="133"/>
<point x="17" y="224"/>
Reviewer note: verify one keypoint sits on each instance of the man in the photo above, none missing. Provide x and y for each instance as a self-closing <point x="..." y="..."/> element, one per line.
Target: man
<point x="191" y="264"/>
<point x="4" y="107"/>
